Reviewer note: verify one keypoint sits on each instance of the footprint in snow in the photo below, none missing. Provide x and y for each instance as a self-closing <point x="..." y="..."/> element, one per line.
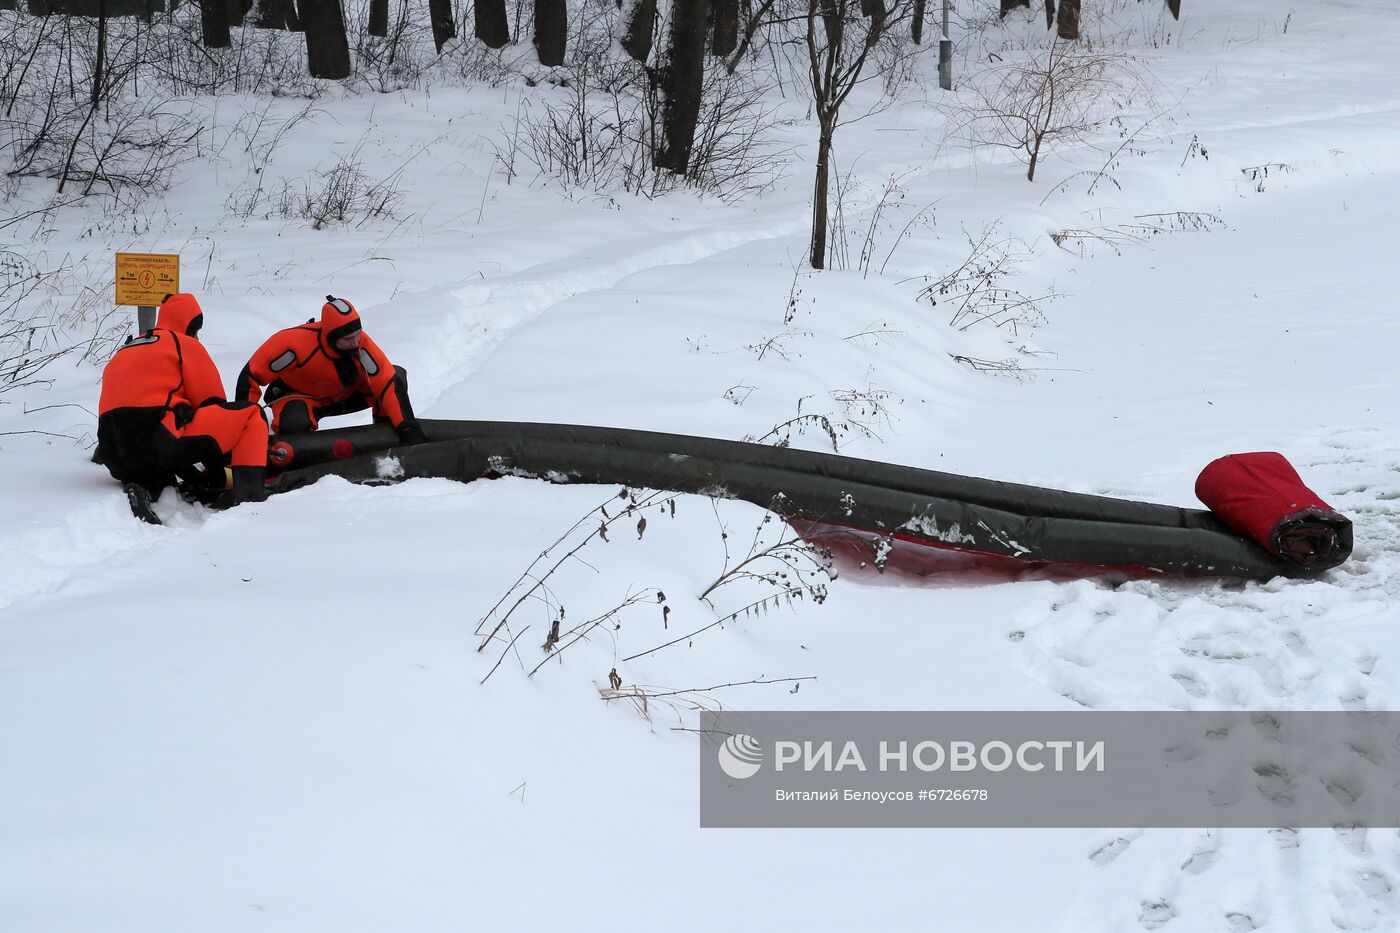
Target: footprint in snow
<point x="1237" y="921"/>
<point x="1190" y="683"/>
<point x="1109" y="851"/>
<point x="1362" y="900"/>
<point x="1204" y="855"/>
<point x="1276" y="784"/>
<point x="1155" y="913"/>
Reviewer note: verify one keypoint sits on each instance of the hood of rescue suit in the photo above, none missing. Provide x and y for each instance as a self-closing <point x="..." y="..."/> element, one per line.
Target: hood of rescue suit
<point x="181" y="314"/>
<point x="338" y="319"/>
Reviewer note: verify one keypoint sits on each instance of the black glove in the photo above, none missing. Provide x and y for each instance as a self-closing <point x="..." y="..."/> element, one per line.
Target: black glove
<point x="410" y="433"/>
<point x="184" y="414"/>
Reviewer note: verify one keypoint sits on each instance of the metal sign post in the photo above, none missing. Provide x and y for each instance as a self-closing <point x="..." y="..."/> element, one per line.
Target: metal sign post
<point x="143" y="280"/>
<point x="945" y="53"/>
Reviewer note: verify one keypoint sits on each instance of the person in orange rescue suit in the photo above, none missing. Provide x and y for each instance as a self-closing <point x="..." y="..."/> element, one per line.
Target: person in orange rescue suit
<point x="163" y="415"/>
<point x="324" y="368"/>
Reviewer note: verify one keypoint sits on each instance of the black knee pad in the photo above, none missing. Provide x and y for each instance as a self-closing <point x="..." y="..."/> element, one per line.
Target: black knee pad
<point x="295" y="418"/>
<point x="200" y="461"/>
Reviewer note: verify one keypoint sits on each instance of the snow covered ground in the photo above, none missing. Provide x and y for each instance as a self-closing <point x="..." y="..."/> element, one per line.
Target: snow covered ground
<point x="273" y="718"/>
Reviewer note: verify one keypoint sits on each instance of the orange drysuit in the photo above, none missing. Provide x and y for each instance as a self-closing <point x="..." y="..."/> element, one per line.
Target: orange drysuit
<point x="324" y="368"/>
<point x="163" y="413"/>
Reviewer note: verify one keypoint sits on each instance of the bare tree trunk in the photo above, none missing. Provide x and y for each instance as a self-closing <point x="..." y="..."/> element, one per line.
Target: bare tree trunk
<point x="238" y="11"/>
<point x="96" y="92"/>
<point x="213" y="21"/>
<point x="91" y="9"/>
<point x="327" y="51"/>
<point x="291" y="15"/>
<point x="1174" y="6"/>
<point x="682" y="82"/>
<point x="753" y="20"/>
<point x="724" y="35"/>
<point x="1008" y="5"/>
<point x="400" y="27"/>
<point x="492" y="26"/>
<point x="637" y="41"/>
<point x="916" y="30"/>
<point x="836" y="56"/>
<point x="7" y="4"/>
<point x="551" y="30"/>
<point x="1049" y="14"/>
<point x="819" y="197"/>
<point x="378" y="24"/>
<point x="440" y="14"/>
<point x="1068" y="20"/>
<point x="99" y="70"/>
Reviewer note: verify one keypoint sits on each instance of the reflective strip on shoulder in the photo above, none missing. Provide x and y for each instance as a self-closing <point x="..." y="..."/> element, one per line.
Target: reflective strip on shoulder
<point x="145" y="341"/>
<point x="367" y="361"/>
<point x="282" y="362"/>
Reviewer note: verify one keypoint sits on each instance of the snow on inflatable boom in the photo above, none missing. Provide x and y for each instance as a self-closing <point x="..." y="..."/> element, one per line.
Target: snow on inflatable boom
<point x="1263" y="522"/>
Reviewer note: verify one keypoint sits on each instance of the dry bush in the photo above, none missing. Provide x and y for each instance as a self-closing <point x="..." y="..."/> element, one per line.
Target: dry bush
<point x="984" y="35"/>
<point x="979" y="289"/>
<point x="341" y="195"/>
<point x="93" y="129"/>
<point x="391" y="62"/>
<point x="774" y="569"/>
<point x="843" y="415"/>
<point x="407" y="58"/>
<point x="880" y="219"/>
<point x="776" y="558"/>
<point x="1117" y="237"/>
<point x="1065" y="96"/>
<point x="535" y="589"/>
<point x="29" y="341"/>
<point x="49" y="311"/>
<point x="601" y="129"/>
<point x="268" y="62"/>
<point x="648" y="700"/>
<point x="1258" y="175"/>
<point x="602" y="137"/>
<point x="259" y="134"/>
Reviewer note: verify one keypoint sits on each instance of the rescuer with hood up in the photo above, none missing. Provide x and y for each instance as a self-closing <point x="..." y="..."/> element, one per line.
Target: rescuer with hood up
<point x="163" y="414"/>
<point x="324" y="368"/>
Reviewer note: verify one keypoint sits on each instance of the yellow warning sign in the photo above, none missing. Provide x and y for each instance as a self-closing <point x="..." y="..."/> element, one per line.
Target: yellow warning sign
<point x="146" y="278"/>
